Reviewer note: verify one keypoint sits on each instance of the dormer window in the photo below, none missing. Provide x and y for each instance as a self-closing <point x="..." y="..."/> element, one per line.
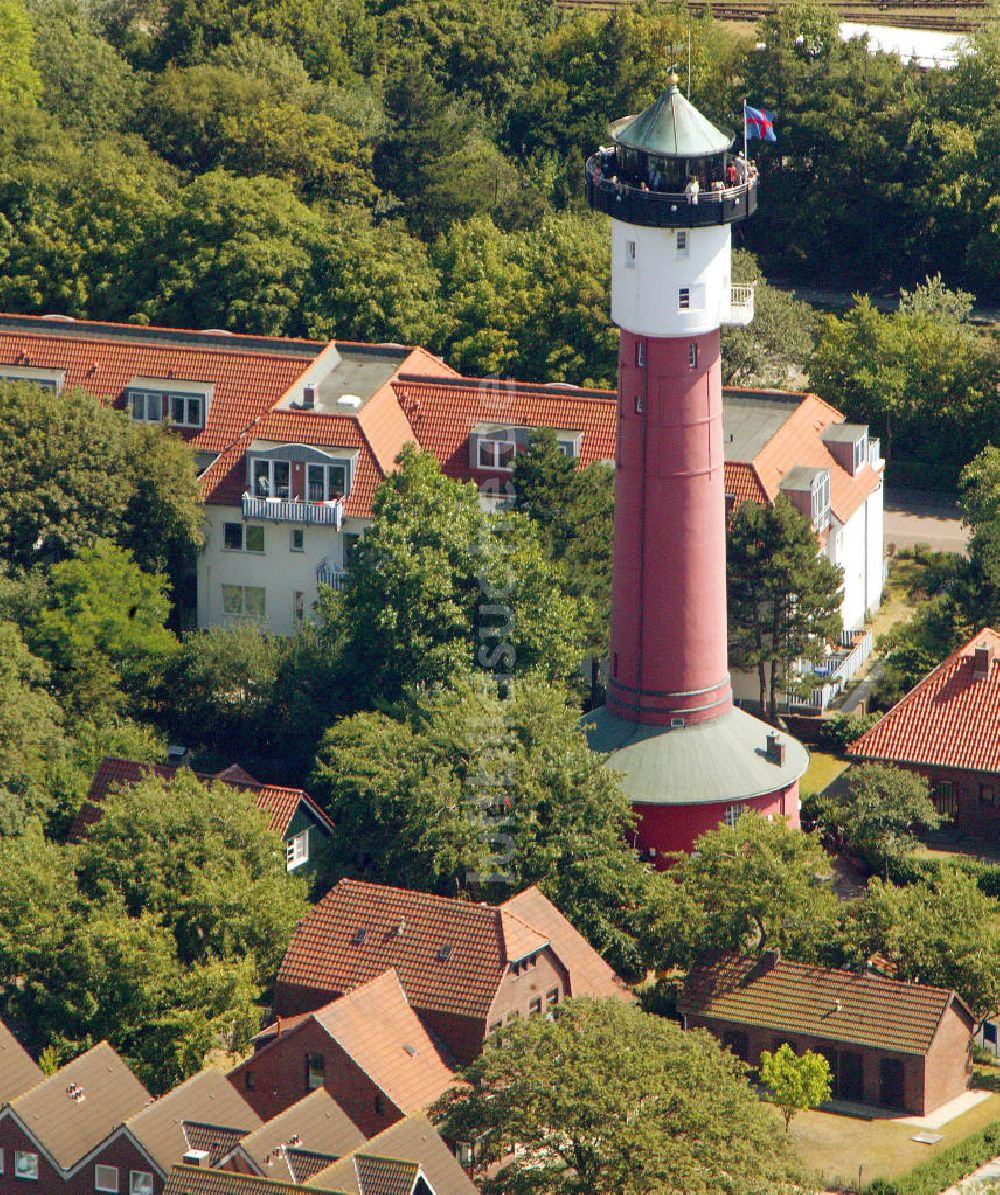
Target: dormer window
<point x="146" y="407"/>
<point x="271" y="479"/>
<point x="821" y="501"/>
<point x="46" y="379"/>
<point x="496" y="454"/>
<point x="808" y="489"/>
<point x="324" y="483"/>
<point x="569" y="447"/>
<point x="187" y="410"/>
<point x="184" y="404"/>
<point x="860" y="451"/>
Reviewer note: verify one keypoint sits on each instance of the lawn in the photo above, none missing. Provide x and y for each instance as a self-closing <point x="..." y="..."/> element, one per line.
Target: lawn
<point x="824" y="768"/>
<point x="835" y="1146"/>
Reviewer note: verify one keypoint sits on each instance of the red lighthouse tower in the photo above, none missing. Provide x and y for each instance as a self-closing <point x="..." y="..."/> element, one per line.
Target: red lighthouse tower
<point x="689" y="758"/>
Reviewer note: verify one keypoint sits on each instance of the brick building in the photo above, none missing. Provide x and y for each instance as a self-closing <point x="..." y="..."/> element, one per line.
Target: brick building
<point x="292" y="813"/>
<point x="896" y="1045"/>
<point x="52" y="1133"/>
<point x="947" y="728"/>
<point x="466" y="968"/>
<point x="296" y="1144"/>
<point x="367" y="1048"/>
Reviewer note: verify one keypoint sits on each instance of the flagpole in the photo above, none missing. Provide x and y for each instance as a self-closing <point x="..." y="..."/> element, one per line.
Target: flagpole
<point x="744" y="127"/>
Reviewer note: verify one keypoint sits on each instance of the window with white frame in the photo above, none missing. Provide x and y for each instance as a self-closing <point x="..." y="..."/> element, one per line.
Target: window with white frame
<point x="237" y="538"/>
<point x="271" y="479"/>
<point x="684" y="299"/>
<point x="568" y="447"/>
<point x="105" y="1178"/>
<point x="630" y="253"/>
<point x="682" y="242"/>
<point x="25" y="379"/>
<point x="146" y="406"/>
<point x="232" y="537"/>
<point x="732" y="814"/>
<point x="244" y="601"/>
<point x="1" y="1161"/>
<point x="254" y="540"/>
<point x="821" y="500"/>
<point x="324" y="483"/>
<point x="860" y="451"/>
<point x="297" y="850"/>
<point x="187" y="410"/>
<point x="497" y="453"/>
<point x="25" y="1164"/>
<point x="140" y="1182"/>
<point x="298" y="540"/>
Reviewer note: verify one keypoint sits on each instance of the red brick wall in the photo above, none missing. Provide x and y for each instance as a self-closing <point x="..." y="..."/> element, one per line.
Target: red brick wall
<point x="948" y="1069"/>
<point x="290" y="999"/>
<point x="121" y="1153"/>
<point x="770" y="1039"/>
<point x="974" y="816"/>
<point x="13" y="1138"/>
<point x="279" y="1079"/>
<point x="516" y="992"/>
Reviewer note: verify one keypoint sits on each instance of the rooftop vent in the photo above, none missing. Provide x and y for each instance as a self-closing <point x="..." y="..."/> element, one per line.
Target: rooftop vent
<point x="359" y="936"/>
<point x="444" y="953"/>
<point x="775" y="749"/>
<point x="981" y="661"/>
<point x="176" y="755"/>
<point x="400" y="926"/>
<point x="349" y="400"/>
<point x="216" y="332"/>
<point x="60" y="319"/>
<point x="411" y="1050"/>
<point x="197" y="1157"/>
<point x="309" y="396"/>
<point x="295" y="1139"/>
<point x="76" y="1093"/>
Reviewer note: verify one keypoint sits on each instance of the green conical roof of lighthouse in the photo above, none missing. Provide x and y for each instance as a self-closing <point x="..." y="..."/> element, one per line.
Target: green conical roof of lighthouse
<point x="671" y="127"/>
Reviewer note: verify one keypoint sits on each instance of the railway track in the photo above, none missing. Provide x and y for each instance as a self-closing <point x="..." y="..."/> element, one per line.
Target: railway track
<point x="944" y="16"/>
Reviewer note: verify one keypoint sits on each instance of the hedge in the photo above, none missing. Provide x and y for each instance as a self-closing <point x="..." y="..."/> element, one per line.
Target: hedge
<point x="946" y="1168"/>
<point x="910" y="869"/>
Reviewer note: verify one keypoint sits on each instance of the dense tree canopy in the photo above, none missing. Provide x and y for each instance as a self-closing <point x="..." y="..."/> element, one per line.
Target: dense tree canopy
<point x="673" y="1114"/>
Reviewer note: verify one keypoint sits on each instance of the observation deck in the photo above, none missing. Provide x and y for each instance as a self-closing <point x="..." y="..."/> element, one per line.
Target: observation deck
<point x="642" y="205"/>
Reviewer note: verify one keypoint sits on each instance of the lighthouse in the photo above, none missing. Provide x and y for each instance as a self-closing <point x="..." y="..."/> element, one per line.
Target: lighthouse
<point x="688" y="757"/>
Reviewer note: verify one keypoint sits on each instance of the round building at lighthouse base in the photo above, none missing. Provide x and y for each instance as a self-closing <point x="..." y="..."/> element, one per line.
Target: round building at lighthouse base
<point x="683" y="781"/>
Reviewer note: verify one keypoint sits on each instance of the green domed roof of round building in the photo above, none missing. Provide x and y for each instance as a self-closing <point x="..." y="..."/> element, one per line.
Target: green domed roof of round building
<point x="671" y="127"/>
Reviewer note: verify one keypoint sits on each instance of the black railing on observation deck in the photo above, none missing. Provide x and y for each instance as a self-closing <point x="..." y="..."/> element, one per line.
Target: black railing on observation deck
<point x="665" y="209"/>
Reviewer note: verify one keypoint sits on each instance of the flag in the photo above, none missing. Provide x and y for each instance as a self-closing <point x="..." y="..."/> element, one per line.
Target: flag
<point x="759" y="124"/>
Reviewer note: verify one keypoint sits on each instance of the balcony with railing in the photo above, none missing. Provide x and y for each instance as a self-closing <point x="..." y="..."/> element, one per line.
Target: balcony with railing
<point x="740" y="311"/>
<point x="329" y="574"/>
<point x="642" y="205"/>
<point x="294" y="510"/>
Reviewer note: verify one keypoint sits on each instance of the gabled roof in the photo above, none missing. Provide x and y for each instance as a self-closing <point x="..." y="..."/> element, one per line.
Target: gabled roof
<point x="412" y="1140"/>
<point x="316" y="1125"/>
<point x="249" y="373"/>
<point x="193" y="1180"/>
<point x="845" y="1006"/>
<point x="589" y="974"/>
<point x="278" y="802"/>
<point x="359" y="930"/>
<point x="207" y="1097"/>
<point x="951" y="719"/>
<point x="18" y="1070"/>
<point x="376" y="1027"/>
<point x="72" y="1111"/>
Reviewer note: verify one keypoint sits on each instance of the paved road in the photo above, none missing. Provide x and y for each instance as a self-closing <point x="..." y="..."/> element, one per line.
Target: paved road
<point x="921" y="517"/>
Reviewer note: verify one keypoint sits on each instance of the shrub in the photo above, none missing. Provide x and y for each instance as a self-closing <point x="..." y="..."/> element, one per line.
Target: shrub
<point x="842" y="729"/>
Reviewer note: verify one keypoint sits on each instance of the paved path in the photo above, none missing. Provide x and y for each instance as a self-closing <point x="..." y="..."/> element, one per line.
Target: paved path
<point x="861" y="693"/>
<point x="986" y="1178"/>
<point x="922" y="517"/>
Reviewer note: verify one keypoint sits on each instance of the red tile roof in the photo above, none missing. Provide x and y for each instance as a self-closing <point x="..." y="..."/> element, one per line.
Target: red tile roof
<point x="249" y="374"/>
<point x="442" y="411"/>
<point x="842" y="1006"/>
<point x="375" y="1025"/>
<point x="450" y="954"/>
<point x="951" y="719"/>
<point x="112" y="772"/>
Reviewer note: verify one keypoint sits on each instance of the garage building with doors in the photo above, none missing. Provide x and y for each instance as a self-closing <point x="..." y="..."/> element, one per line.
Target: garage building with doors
<point x="895" y="1045"/>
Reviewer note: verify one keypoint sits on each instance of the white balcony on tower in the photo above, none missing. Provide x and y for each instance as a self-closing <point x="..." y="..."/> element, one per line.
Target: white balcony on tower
<point x="740" y="311"/>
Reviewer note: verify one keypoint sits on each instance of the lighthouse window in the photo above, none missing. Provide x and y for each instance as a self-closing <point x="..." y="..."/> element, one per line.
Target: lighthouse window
<point x="732" y="815"/>
<point x="693" y="355"/>
<point x="684" y="299"/>
<point x="682" y="242"/>
<point x="640" y="352"/>
<point x="630" y="253"/>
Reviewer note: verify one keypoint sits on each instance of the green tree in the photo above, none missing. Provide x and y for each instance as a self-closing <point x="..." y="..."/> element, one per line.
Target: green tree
<point x="103" y="629"/>
<point x="796" y="1081"/>
<point x="437" y="587"/>
<point x="778" y="344"/>
<point x="574" y="510"/>
<point x="674" y="1115"/>
<point x="749" y="886"/>
<point x="33" y="747"/>
<point x="942" y="931"/>
<point x="876" y="815"/>
<point x="784" y="598"/>
<point x="203" y="861"/>
<point x="463" y="791"/>
<point x="19" y="80"/>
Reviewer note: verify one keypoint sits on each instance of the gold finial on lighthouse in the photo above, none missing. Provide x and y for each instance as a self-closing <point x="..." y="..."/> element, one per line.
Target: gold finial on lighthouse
<point x="673" y="78"/>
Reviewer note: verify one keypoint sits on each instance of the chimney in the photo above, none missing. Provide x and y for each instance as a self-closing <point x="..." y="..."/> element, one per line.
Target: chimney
<point x="309" y="396"/>
<point x="982" y="659"/>
<point x="775" y="749"/>
<point x="197" y="1157"/>
<point x="770" y="958"/>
